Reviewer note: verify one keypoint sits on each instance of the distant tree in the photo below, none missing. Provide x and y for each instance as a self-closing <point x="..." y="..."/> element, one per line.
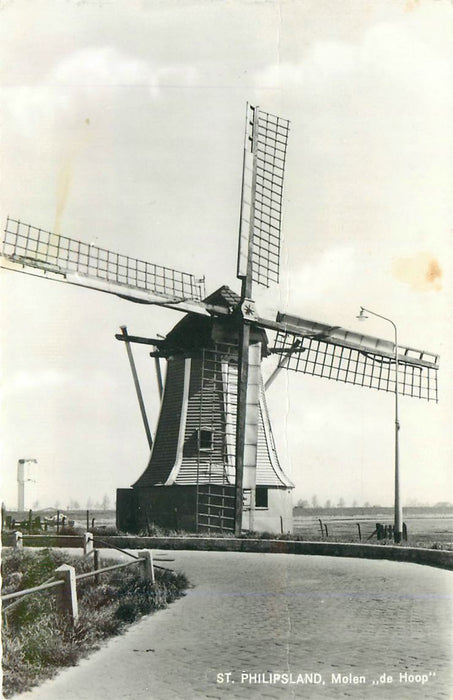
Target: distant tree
<point x="314" y="501"/>
<point x="302" y="503"/>
<point x="56" y="504"/>
<point x="73" y="505"/>
<point x="354" y="503"/>
<point x="105" y="502"/>
<point x="340" y="503"/>
<point x="328" y="503"/>
<point x="36" y="505"/>
<point x="366" y="504"/>
<point x="89" y="504"/>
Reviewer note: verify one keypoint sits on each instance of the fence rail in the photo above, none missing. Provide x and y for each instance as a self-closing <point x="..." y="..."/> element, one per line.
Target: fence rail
<point x="29" y="591"/>
<point x="66" y="578"/>
<point x="90" y="574"/>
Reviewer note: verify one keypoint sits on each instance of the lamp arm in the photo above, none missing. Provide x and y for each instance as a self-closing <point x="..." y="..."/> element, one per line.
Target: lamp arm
<point x="385" y="318"/>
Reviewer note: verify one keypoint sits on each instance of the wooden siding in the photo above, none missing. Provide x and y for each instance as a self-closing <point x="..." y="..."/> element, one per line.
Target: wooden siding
<point x="268" y="469"/>
<point x="205" y="410"/>
<point x="211" y="405"/>
<point x="217" y="411"/>
<point x="165" y="446"/>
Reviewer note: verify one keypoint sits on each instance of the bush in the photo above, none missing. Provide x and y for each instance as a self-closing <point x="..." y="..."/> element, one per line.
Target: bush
<point x="37" y="641"/>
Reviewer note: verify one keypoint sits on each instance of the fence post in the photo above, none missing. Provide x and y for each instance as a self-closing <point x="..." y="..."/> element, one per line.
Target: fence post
<point x="87" y="542"/>
<point x="96" y="564"/>
<point x="18" y="542"/>
<point x="146" y="566"/>
<point x="67" y="594"/>
<point x="360" y="532"/>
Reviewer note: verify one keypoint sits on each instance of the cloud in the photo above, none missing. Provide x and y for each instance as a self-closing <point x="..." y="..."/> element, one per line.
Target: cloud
<point x="26" y="381"/>
<point x="100" y="67"/>
<point x="74" y="83"/>
<point x="325" y="60"/>
<point x="397" y="53"/>
<point x="321" y="276"/>
<point x="106" y="66"/>
<point x="54" y="379"/>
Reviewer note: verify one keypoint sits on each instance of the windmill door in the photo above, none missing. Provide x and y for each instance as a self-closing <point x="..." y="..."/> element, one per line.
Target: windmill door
<point x="215" y="508"/>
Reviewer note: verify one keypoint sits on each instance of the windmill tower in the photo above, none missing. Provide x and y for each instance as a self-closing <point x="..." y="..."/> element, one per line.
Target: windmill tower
<point x="189" y="482"/>
<point x="213" y="462"/>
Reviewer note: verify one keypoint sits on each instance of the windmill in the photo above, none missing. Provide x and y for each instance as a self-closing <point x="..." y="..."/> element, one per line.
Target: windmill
<point x="213" y="462"/>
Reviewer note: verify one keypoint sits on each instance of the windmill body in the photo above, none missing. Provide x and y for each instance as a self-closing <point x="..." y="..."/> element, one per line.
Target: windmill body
<point x="189" y="482"/>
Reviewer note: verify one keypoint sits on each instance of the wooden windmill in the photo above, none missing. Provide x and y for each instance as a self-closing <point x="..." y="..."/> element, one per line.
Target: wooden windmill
<point x="213" y="461"/>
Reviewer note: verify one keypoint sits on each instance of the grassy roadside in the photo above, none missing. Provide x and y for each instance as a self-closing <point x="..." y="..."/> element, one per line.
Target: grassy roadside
<point x="428" y="541"/>
<point x="37" y="642"/>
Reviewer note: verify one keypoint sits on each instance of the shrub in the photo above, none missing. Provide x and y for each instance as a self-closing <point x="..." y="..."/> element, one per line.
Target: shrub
<point x="37" y="641"/>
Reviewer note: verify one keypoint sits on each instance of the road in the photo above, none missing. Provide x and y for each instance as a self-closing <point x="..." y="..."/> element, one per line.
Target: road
<point x="341" y="627"/>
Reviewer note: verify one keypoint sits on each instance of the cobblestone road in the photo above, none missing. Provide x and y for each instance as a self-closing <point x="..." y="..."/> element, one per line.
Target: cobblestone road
<point x="332" y="619"/>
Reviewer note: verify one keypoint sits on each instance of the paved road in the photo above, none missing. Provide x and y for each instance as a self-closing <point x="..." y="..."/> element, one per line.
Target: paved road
<point x="332" y="619"/>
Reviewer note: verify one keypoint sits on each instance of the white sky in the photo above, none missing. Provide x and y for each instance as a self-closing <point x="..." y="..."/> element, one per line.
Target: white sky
<point x="122" y="125"/>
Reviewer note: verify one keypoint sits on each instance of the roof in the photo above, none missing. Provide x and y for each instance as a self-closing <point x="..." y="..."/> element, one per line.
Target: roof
<point x="224" y="296"/>
<point x="195" y="331"/>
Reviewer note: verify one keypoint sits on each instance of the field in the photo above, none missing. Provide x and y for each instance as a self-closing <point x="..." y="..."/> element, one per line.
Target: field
<point x="78" y="519"/>
<point x="426" y="526"/>
<point x="425" y="530"/>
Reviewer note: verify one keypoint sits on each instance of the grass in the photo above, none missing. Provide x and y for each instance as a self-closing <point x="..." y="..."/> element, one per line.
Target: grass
<point x="424" y="541"/>
<point x="38" y="642"/>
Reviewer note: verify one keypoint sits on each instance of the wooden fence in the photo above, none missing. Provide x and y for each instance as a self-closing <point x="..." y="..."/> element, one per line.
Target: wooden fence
<point x="65" y="578"/>
<point x="344" y="530"/>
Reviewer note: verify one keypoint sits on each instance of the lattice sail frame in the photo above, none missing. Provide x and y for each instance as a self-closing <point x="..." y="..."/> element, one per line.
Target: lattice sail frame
<point x="346" y="356"/>
<point x="34" y="247"/>
<point x="266" y="139"/>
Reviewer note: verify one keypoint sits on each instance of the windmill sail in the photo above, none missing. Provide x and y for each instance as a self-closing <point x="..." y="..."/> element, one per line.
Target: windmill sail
<point x="266" y="138"/>
<point x="87" y="265"/>
<point x="335" y="353"/>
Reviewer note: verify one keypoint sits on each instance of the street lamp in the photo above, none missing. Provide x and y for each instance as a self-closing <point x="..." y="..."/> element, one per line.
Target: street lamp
<point x="398" y="510"/>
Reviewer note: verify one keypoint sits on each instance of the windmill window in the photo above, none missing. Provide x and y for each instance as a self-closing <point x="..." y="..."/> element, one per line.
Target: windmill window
<point x="205" y="439"/>
<point x="261" y="497"/>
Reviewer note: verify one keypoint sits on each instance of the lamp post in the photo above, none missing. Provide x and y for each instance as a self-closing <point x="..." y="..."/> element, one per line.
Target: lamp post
<point x="398" y="509"/>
